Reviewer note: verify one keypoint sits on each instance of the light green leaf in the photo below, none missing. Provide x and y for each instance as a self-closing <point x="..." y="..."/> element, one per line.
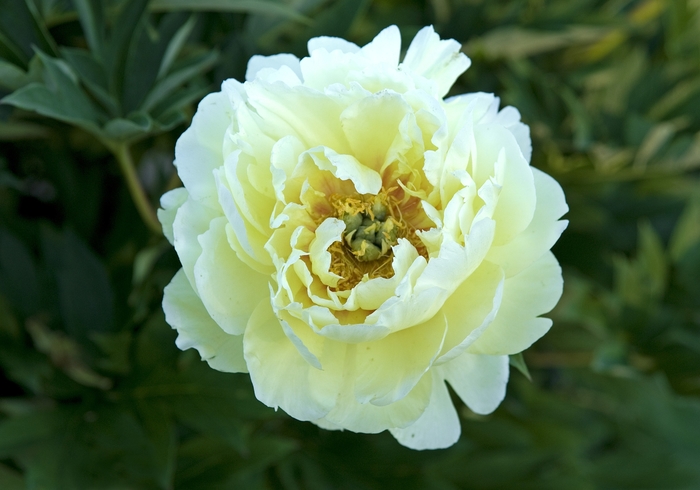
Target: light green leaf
<point x="518" y="362"/>
<point x="175" y="46"/>
<point x="687" y="230"/>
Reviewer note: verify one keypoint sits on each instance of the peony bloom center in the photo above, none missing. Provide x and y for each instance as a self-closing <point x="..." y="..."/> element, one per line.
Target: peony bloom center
<point x="373" y="225"/>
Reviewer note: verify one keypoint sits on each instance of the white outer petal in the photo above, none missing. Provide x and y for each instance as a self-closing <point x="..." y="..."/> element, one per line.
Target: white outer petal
<point x="185" y="312"/>
<point x="479" y="380"/>
<point x="439" y="425"/>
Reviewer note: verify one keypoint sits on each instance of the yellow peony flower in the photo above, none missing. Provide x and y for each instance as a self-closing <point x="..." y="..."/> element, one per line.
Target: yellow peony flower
<point x="353" y="240"/>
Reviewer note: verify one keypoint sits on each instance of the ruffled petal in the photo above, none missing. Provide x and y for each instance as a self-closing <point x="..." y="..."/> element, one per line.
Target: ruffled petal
<point x="471" y="309"/>
<point x="185" y="312"/>
<point x="192" y="219"/>
<point x="385" y="47"/>
<point x="274" y="62"/>
<point x="281" y="377"/>
<point x="349" y="414"/>
<point x="229" y="289"/>
<point x="438" y="60"/>
<point x="371" y="125"/>
<point x="438" y="427"/>
<point x="542" y="232"/>
<point x="388" y="369"/>
<point x="479" y="380"/>
<point x="532" y="292"/>
<point x="170" y="202"/>
<point x="199" y="150"/>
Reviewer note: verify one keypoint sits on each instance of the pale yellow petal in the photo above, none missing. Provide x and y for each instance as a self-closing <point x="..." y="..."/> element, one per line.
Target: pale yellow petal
<point x="229" y="289"/>
<point x="185" y="312"/>
<point x="532" y="292"/>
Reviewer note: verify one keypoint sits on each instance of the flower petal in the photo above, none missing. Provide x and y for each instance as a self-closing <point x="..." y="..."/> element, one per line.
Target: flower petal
<point x="229" y="289"/>
<point x="388" y="369"/>
<point x="275" y="62"/>
<point x="532" y="292"/>
<point x="542" y="232"/>
<point x="331" y="44"/>
<point x="438" y="427"/>
<point x="385" y="47"/>
<point x="479" y="380"/>
<point x="371" y="125"/>
<point x="346" y="167"/>
<point x="471" y="309"/>
<point x="370" y="418"/>
<point x="170" y="202"/>
<point x="199" y="150"/>
<point x="191" y="220"/>
<point x="281" y="377"/>
<point x="185" y="312"/>
<point x="498" y="155"/>
<point x="438" y="60"/>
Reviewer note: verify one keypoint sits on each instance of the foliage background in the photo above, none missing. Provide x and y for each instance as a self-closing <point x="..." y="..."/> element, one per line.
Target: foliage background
<point x="94" y="393"/>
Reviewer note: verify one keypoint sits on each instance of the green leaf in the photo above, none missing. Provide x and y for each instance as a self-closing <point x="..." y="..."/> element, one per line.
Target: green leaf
<point x="59" y="97"/>
<point x="518" y="362"/>
<point x="91" y="15"/>
<point x="256" y="6"/>
<point x="687" y="231"/>
<point x="170" y="83"/>
<point x="17" y="433"/>
<point x="160" y="430"/>
<point x="19" y="280"/>
<point x="145" y="55"/>
<point x="175" y="46"/>
<point x="11" y="479"/>
<point x="652" y="259"/>
<point x="136" y="126"/>
<point x="20" y="130"/>
<point x="21" y="30"/>
<point x="12" y="77"/>
<point x="92" y="75"/>
<point x="84" y="291"/>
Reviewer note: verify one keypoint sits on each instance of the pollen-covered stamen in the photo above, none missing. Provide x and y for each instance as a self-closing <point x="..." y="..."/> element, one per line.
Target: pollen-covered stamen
<point x="373" y="225"/>
<point x="370" y="231"/>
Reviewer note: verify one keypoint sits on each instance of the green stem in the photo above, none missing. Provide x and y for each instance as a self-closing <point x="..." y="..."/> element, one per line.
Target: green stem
<point x="138" y="195"/>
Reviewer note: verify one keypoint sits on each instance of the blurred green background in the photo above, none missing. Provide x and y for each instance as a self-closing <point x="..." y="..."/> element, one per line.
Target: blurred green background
<point x="94" y="393"/>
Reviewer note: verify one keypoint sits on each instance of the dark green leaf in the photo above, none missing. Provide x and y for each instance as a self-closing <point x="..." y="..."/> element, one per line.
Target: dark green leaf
<point x="84" y="292"/>
<point x="19" y="281"/>
<point x="59" y="97"/>
<point x="257" y="6"/>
